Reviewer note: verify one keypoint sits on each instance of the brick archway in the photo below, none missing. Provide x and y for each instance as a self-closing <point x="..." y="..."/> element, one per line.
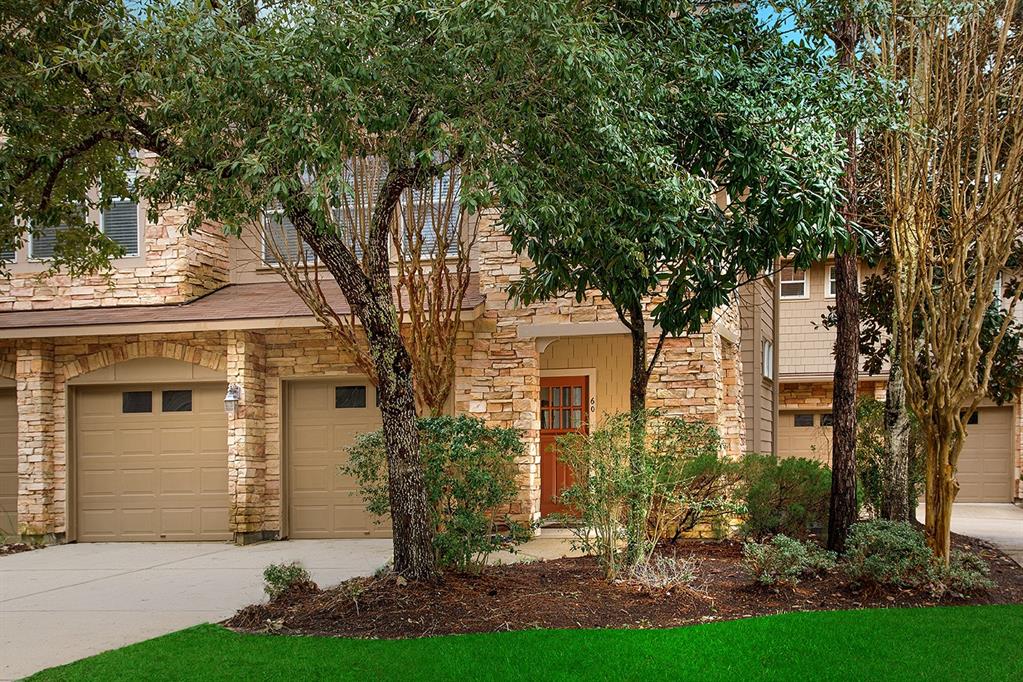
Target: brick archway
<point x="172" y="350"/>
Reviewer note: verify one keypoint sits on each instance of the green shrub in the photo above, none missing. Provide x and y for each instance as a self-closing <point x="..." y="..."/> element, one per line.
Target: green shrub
<point x="284" y="577"/>
<point x="693" y="479"/>
<point x="787" y="496"/>
<point x="602" y="486"/>
<point x="683" y="480"/>
<point x="470" y="477"/>
<point x="784" y="561"/>
<point x="871" y="454"/>
<point x="889" y="553"/>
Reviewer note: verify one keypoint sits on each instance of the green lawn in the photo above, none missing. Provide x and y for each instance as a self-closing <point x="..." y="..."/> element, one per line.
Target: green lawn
<point x="978" y="643"/>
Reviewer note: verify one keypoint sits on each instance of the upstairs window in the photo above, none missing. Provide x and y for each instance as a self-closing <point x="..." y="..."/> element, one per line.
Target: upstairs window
<point x="120" y="222"/>
<point x="436" y="211"/>
<point x="831" y="284"/>
<point x="281" y="240"/>
<point x="793" y="283"/>
<point x="42" y="242"/>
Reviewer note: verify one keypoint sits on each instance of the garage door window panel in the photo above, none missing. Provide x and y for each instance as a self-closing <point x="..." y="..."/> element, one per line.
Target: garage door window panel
<point x="137" y="402"/>
<point x="349" y="397"/>
<point x="177" y="401"/>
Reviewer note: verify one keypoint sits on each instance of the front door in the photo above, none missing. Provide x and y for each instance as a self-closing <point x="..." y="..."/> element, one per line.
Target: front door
<point x="563" y="409"/>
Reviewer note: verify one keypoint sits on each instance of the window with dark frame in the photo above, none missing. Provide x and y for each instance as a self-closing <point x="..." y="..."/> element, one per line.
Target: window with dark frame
<point x="803" y="420"/>
<point x="136" y="402"/>
<point x="177" y="401"/>
<point x="827" y="419"/>
<point x="349" y="397"/>
<point x="974" y="418"/>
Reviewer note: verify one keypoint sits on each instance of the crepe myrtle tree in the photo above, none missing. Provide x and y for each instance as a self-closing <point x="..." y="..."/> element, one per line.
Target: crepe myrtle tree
<point x="954" y="184"/>
<point x="241" y="107"/>
<point x="739" y="168"/>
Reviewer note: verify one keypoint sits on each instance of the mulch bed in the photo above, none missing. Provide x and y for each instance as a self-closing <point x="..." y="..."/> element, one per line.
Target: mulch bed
<point x="15" y="548"/>
<point x="571" y="593"/>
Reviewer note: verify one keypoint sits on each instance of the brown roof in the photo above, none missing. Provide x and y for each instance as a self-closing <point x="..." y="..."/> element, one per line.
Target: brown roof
<point x="232" y="302"/>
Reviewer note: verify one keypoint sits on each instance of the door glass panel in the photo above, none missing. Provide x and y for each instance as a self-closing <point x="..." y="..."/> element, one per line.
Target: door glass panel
<point x="555" y="397"/>
<point x="577" y="418"/>
<point x="545" y="396"/>
<point x="577" y="396"/>
<point x="556" y="419"/>
<point x="566" y="396"/>
<point x="543" y="418"/>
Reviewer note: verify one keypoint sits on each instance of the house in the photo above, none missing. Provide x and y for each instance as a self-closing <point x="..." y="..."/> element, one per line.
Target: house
<point x="113" y="424"/>
<point x="991" y="463"/>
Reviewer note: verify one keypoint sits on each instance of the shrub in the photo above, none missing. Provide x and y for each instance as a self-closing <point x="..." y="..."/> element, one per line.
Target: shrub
<point x="788" y="496"/>
<point x="890" y="553"/>
<point x="784" y="561"/>
<point x="692" y="478"/>
<point x="663" y="572"/>
<point x="470" y="477"/>
<point x="284" y="577"/>
<point x="602" y="487"/>
<point x="683" y="480"/>
<point x="871" y="454"/>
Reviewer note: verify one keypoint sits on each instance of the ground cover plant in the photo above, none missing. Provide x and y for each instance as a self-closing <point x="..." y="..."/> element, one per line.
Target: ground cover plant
<point x="789" y="646"/>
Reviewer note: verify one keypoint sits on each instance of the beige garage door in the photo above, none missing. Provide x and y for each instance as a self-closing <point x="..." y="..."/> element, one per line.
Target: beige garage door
<point x="8" y="462"/>
<point x="985" y="464"/>
<point x="151" y="463"/>
<point x="323" y="419"/>
<point x="805" y="434"/>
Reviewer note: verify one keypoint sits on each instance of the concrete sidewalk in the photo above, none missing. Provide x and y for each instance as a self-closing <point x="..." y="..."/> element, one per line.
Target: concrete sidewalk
<point x="64" y="603"/>
<point x="999" y="524"/>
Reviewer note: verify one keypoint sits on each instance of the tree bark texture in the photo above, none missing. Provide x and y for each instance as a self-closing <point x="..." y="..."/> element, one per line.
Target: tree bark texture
<point x="368" y="290"/>
<point x="895" y="488"/>
<point x="847" y="304"/>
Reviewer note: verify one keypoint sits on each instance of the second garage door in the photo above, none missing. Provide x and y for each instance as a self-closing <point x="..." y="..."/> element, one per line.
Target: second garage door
<point x="805" y="434"/>
<point x="151" y="463"/>
<point x="323" y="419"/>
<point x="985" y="464"/>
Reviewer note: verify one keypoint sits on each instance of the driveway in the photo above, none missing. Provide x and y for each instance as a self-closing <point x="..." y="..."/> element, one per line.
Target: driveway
<point x="999" y="524"/>
<point x="61" y="604"/>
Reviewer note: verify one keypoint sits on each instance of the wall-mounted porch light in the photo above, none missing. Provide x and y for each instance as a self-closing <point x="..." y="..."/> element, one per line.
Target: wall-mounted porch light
<point x="234" y="394"/>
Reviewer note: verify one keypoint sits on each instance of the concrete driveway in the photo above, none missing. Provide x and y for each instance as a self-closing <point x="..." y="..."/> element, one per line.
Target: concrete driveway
<point x="61" y="604"/>
<point x="999" y="524"/>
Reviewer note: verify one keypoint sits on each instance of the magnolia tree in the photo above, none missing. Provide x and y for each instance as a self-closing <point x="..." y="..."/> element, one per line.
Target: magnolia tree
<point x="247" y="107"/>
<point x="739" y="168"/>
<point x="955" y="188"/>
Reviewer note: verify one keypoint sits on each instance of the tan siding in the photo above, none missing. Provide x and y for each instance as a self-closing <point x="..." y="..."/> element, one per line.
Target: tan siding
<point x="608" y="356"/>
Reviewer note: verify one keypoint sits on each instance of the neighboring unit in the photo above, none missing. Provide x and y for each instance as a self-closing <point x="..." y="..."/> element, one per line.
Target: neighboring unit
<point x="992" y="457"/>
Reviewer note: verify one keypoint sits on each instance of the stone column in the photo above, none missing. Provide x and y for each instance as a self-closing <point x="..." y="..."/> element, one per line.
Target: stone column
<point x="36" y="442"/>
<point x="246" y="436"/>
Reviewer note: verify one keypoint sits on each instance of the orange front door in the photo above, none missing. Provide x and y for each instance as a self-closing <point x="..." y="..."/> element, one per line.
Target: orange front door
<point x="563" y="409"/>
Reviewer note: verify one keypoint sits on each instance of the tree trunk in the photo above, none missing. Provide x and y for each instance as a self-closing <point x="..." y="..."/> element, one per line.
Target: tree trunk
<point x="637" y="520"/>
<point x="895" y="488"/>
<point x="943" y="443"/>
<point x="370" y="294"/>
<point x="406" y="487"/>
<point x="847" y="304"/>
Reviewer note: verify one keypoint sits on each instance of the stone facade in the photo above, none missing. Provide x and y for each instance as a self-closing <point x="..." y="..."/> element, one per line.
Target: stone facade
<point x="817" y="395"/>
<point x="497" y="375"/>
<point x="173" y="268"/>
